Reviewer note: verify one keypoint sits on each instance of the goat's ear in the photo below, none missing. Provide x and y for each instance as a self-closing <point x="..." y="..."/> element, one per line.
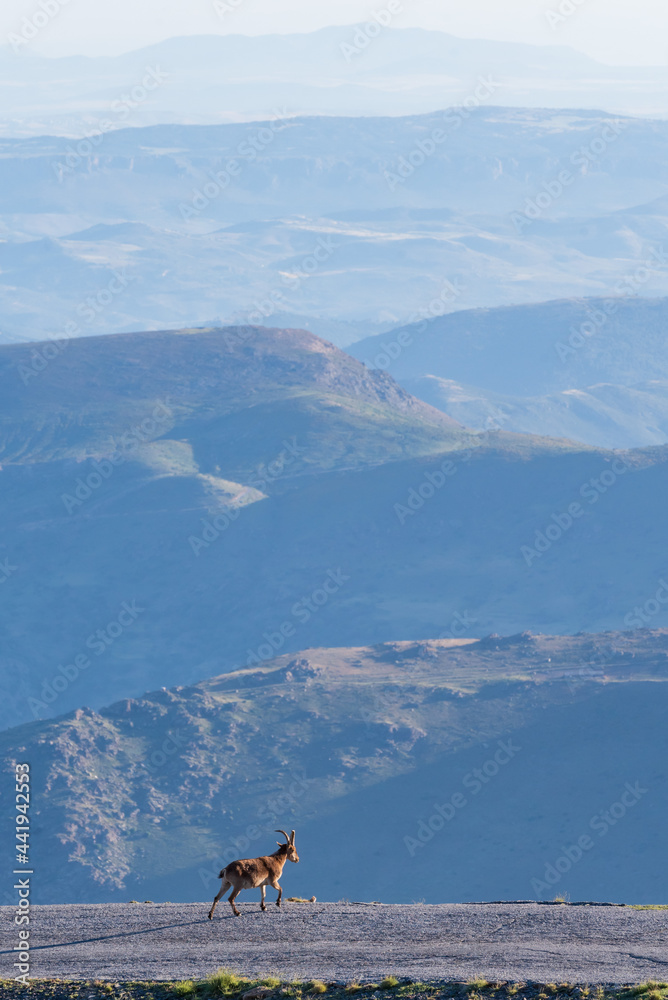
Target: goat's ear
<point x="292" y="838"/>
<point x="280" y="844"/>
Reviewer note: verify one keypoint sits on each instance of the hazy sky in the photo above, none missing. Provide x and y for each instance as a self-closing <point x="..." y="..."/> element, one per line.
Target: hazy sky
<point x="614" y="31"/>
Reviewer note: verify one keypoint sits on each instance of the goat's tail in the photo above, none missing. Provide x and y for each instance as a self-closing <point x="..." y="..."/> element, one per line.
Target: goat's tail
<point x="221" y="873"/>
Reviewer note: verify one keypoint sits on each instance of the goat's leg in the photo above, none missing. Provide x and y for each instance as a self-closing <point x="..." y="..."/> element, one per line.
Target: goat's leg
<point x="224" y="887"/>
<point x="276" y="886"/>
<point x="263" y="889"/>
<point x="230" y="899"/>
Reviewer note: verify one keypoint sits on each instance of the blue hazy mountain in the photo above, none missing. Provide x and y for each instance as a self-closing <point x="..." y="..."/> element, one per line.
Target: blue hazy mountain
<point x="173" y="501"/>
<point x="311" y="218"/>
<point x="504" y="753"/>
<point x="605" y="415"/>
<point x="593" y="370"/>
<point x="337" y="70"/>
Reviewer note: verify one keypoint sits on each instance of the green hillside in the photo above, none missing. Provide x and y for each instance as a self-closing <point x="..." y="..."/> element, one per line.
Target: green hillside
<point x="232" y="395"/>
<point x="216" y="478"/>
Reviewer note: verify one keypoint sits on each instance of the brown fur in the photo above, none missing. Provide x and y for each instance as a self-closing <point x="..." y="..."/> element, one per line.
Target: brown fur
<point x="251" y="873"/>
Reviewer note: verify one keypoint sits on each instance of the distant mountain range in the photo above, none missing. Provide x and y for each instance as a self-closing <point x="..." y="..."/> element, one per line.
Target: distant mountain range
<point x="593" y="370"/>
<point x="337" y="70"/>
<point x="308" y="558"/>
<point x="605" y="415"/>
<point x="218" y="480"/>
<point x="311" y="218"/>
<point x="509" y="768"/>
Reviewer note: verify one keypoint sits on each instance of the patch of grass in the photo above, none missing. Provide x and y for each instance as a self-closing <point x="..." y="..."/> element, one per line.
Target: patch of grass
<point x="651" y="990"/>
<point x="648" y="906"/>
<point x="410" y="988"/>
<point x="225" y="983"/>
<point x="229" y="985"/>
<point x="185" y="988"/>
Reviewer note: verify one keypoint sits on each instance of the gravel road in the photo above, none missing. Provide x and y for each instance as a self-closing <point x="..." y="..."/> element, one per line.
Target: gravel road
<point x="509" y="941"/>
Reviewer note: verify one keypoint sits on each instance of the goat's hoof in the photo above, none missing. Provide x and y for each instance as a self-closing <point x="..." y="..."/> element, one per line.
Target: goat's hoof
<point x="237" y="913"/>
<point x="278" y="905"/>
<point x="211" y="916"/>
<point x="262" y="906"/>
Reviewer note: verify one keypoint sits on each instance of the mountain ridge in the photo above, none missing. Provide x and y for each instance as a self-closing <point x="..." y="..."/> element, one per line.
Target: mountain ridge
<point x="304" y="739"/>
<point x="282" y="466"/>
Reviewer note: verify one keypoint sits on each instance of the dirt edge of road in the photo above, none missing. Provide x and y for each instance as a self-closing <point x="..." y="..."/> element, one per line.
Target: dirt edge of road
<point x="227" y="985"/>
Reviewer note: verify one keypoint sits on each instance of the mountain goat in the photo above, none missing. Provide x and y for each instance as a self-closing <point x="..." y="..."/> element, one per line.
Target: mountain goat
<point x="249" y="873"/>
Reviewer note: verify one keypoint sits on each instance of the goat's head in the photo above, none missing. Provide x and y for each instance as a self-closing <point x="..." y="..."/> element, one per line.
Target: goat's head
<point x="289" y="846"/>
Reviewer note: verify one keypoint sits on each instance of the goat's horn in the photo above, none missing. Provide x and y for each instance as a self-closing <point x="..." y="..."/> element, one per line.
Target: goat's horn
<point x="292" y="838"/>
<point x="284" y="834"/>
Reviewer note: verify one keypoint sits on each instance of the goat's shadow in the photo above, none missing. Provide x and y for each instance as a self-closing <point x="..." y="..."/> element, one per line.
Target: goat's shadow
<point x="123" y="934"/>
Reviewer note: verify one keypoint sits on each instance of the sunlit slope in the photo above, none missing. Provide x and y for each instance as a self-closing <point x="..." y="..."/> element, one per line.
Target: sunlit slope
<point x="220" y="483"/>
<point x="232" y="394"/>
<point x="517" y="744"/>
